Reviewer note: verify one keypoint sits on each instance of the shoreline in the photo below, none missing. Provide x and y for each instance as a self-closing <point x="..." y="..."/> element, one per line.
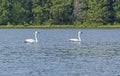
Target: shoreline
<point x="57" y="26"/>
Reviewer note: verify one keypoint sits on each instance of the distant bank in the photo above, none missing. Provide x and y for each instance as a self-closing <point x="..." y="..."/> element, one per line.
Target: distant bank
<point x="57" y="26"/>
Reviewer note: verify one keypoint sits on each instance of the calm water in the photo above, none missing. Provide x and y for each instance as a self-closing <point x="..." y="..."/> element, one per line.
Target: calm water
<point x="97" y="55"/>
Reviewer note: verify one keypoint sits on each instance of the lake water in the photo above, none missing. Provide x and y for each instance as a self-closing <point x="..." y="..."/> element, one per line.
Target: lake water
<point x="97" y="55"/>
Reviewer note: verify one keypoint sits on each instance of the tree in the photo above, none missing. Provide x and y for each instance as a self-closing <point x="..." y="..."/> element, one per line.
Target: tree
<point x="27" y="6"/>
<point x="41" y="11"/>
<point x="79" y="10"/>
<point x="4" y="11"/>
<point x="117" y="10"/>
<point x="17" y="13"/>
<point x="61" y="11"/>
<point x="100" y="11"/>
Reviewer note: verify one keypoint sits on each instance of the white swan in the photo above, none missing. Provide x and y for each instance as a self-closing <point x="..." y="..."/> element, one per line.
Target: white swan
<point x="77" y="39"/>
<point x="32" y="40"/>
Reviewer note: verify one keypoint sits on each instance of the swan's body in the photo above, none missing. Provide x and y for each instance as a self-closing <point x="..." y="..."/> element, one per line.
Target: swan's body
<point x="29" y="41"/>
<point x="32" y="40"/>
<point x="76" y="39"/>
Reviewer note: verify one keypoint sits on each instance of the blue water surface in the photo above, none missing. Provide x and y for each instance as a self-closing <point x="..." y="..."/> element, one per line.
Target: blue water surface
<point x="97" y="55"/>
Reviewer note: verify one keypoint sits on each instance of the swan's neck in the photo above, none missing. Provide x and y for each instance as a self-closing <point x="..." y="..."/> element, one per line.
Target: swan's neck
<point x="36" y="39"/>
<point x="79" y="37"/>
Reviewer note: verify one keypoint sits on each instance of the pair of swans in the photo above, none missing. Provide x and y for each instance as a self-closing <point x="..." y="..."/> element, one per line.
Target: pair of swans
<point x="36" y="39"/>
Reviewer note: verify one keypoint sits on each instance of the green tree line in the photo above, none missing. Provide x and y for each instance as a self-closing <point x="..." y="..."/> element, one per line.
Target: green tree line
<point x="59" y="12"/>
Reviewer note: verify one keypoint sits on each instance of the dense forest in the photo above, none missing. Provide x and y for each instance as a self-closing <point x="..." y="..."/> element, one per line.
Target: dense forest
<point x="59" y="12"/>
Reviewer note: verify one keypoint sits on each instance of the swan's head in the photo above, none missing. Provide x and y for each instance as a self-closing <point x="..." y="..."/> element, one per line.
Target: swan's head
<point x="80" y="32"/>
<point x="36" y="32"/>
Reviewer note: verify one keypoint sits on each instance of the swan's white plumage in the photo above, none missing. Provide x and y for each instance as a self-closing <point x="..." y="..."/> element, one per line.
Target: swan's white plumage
<point x="76" y="39"/>
<point x="29" y="41"/>
<point x="32" y="40"/>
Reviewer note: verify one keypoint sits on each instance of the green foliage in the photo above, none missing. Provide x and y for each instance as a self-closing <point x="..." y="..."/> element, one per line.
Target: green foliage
<point x="98" y="11"/>
<point x="80" y="10"/>
<point x="4" y="11"/>
<point x="17" y="13"/>
<point x="61" y="11"/>
<point x="116" y="8"/>
<point x="81" y="13"/>
<point x="41" y="11"/>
